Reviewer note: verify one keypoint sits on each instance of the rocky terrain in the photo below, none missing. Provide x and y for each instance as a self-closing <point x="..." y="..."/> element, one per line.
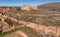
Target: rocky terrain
<point x="30" y="21"/>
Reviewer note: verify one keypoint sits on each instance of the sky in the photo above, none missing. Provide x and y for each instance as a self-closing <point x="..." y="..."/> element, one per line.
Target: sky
<point x="25" y="2"/>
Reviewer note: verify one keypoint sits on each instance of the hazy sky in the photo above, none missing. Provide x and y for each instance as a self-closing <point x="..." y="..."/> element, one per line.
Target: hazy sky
<point x="25" y="2"/>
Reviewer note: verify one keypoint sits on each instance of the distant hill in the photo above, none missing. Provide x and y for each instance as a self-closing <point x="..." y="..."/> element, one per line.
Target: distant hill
<point x="51" y="6"/>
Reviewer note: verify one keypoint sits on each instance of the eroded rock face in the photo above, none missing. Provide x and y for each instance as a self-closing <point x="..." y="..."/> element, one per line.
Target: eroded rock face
<point x="46" y="34"/>
<point x="3" y="17"/>
<point x="4" y="27"/>
<point x="4" y="10"/>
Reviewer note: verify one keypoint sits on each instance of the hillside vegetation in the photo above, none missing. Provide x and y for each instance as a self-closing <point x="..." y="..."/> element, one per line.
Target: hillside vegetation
<point x="14" y="20"/>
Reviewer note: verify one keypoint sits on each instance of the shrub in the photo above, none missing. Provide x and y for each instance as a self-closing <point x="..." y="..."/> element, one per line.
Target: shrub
<point x="10" y="22"/>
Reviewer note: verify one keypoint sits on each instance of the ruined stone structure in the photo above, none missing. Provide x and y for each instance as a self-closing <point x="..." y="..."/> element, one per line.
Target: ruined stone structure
<point x="25" y="8"/>
<point x="34" y="7"/>
<point x="28" y="8"/>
